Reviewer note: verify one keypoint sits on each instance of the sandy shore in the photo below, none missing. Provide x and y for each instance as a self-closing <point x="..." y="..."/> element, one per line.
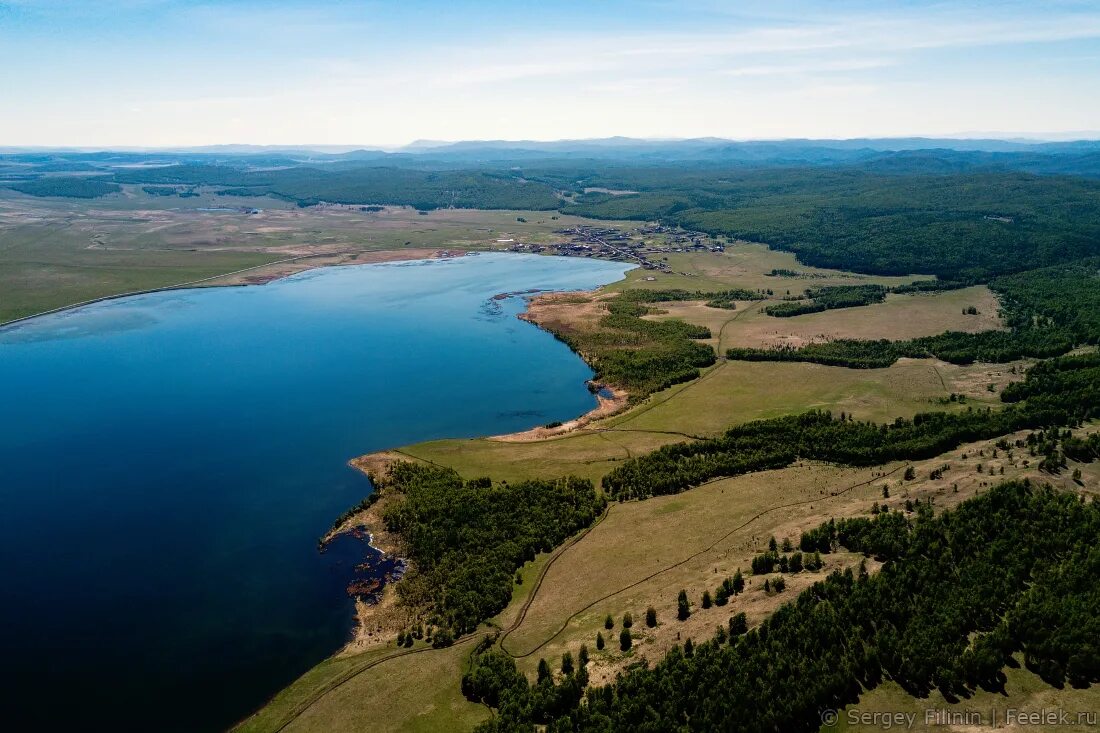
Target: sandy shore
<point x="607" y="406"/>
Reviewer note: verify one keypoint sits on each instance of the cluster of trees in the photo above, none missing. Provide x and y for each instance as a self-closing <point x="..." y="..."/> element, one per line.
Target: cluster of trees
<point x="728" y="588"/>
<point x="1049" y="311"/>
<point x="1071" y="394"/>
<point x="828" y="298"/>
<point x="67" y="187"/>
<point x="771" y="561"/>
<point x="955" y="347"/>
<point x="183" y="193"/>
<point x="726" y="299"/>
<point x="1083" y="450"/>
<point x="1009" y="571"/>
<point x="643" y="356"/>
<point x="466" y="539"/>
<point x="930" y="286"/>
<point x="672" y="295"/>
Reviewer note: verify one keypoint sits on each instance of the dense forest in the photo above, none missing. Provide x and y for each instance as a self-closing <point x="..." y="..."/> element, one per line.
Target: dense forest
<point x="67" y="186"/>
<point x="466" y="539"/>
<point x="1064" y="392"/>
<point x="1007" y="572"/>
<point x="968" y="226"/>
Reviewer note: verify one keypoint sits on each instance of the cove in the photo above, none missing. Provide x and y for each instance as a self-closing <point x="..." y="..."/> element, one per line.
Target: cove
<point x="168" y="461"/>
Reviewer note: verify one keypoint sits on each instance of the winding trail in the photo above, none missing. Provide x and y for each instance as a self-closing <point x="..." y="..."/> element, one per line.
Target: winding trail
<point x="675" y="565"/>
<point x="719" y="365"/>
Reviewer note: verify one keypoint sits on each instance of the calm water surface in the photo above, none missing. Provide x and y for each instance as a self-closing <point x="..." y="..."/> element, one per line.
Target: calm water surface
<point x="168" y="461"/>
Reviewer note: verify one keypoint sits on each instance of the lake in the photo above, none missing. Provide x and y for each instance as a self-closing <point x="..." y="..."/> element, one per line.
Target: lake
<point x="169" y="461"/>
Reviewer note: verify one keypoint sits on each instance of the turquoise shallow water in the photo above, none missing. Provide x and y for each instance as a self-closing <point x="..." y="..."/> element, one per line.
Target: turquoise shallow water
<point x="168" y="461"/>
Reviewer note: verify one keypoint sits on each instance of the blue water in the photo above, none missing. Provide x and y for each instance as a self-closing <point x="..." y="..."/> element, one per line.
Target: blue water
<point x="168" y="461"/>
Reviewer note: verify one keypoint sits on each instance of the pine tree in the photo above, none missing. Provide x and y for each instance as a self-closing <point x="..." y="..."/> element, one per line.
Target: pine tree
<point x="706" y="599"/>
<point x="689" y="648"/>
<point x="544" y="671"/>
<point x="609" y="623"/>
<point x="582" y="656"/>
<point x="625" y="642"/>
<point x="599" y="641"/>
<point x="738" y="625"/>
<point x="651" y="617"/>
<point x="567" y="663"/>
<point x="683" y="608"/>
<point x="773" y="546"/>
<point x="628" y="620"/>
<point x="738" y="582"/>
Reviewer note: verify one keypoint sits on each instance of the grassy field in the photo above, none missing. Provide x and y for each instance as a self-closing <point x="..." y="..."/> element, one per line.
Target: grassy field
<point x="899" y="317"/>
<point x="56" y="252"/>
<point x="411" y="693"/>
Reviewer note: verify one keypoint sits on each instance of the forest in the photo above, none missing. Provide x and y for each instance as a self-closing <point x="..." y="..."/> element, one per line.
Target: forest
<point x="965" y="226"/>
<point x="466" y="539"/>
<point x="1063" y="392"/>
<point x="1007" y="572"/>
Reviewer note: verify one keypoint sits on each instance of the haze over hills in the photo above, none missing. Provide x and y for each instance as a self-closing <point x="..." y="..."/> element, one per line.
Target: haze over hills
<point x="893" y="155"/>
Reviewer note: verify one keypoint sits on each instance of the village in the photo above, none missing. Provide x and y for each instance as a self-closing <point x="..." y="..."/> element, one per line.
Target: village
<point x="648" y="245"/>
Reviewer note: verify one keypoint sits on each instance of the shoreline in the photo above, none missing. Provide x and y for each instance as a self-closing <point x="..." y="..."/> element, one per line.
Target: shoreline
<point x="378" y="623"/>
<point x="365" y="257"/>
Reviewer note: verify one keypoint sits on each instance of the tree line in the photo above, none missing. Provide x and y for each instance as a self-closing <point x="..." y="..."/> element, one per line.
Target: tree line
<point x="1065" y="392"/>
<point x="828" y="298"/>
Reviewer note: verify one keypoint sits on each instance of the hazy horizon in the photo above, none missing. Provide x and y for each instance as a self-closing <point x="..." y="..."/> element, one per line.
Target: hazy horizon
<point x="423" y="144"/>
<point x="173" y="74"/>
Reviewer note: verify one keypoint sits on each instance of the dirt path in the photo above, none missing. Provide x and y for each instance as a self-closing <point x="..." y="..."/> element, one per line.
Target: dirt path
<point x="675" y="565"/>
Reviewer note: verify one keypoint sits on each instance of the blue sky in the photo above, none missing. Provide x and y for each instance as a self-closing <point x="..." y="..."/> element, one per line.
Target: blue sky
<point x="167" y="73"/>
